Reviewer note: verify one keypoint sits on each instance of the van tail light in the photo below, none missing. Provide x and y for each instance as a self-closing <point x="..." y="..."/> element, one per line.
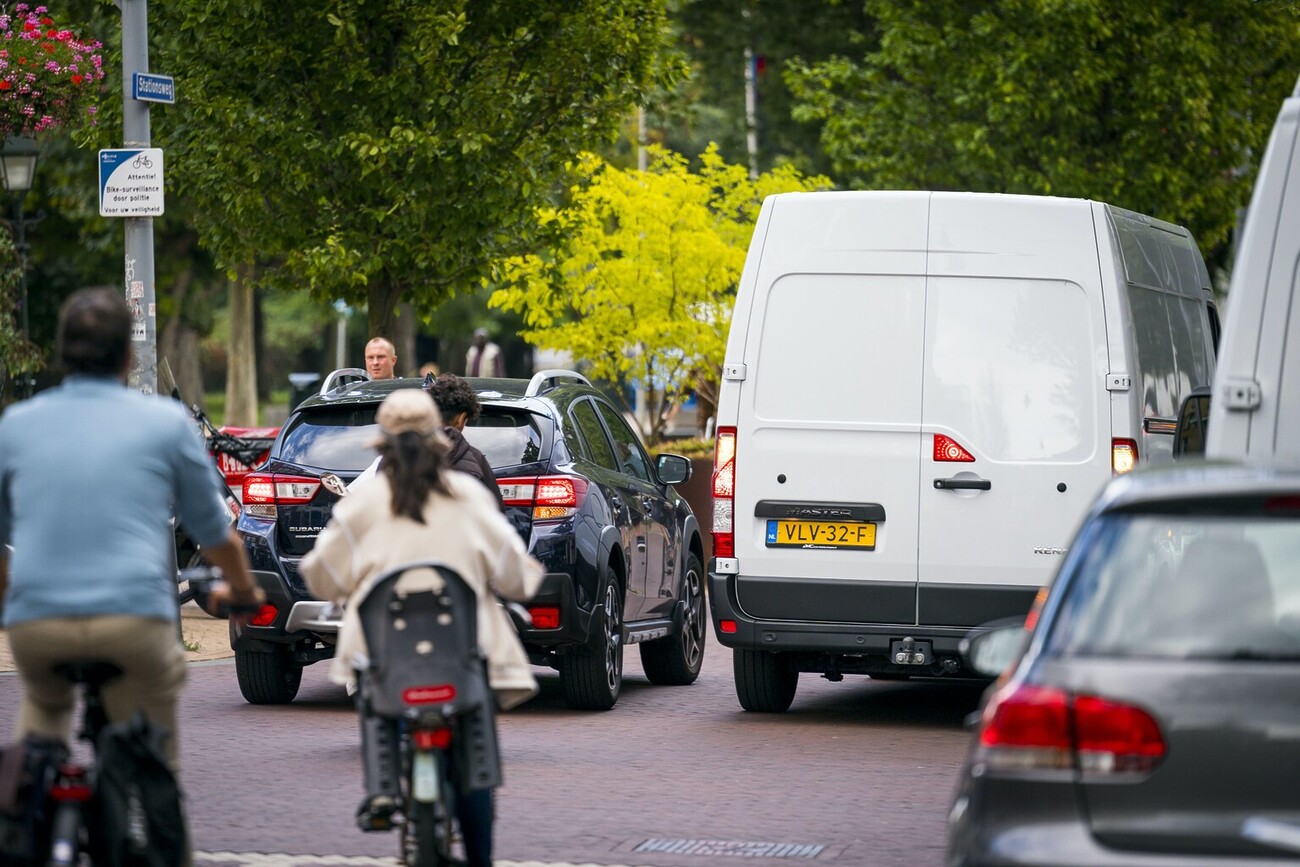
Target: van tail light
<point x="1123" y="455"/>
<point x="551" y="498"/>
<point x="432" y="739"/>
<point x="948" y="449"/>
<point x="1037" y="728"/>
<point x="262" y="492"/>
<point x="724" y="493"/>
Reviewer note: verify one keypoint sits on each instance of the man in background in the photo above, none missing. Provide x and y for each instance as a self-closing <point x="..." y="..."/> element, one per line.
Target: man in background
<point x="484" y="357"/>
<point x="381" y="358"/>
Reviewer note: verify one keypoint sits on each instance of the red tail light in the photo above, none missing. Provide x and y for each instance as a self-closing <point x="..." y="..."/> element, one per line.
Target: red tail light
<point x="948" y="449"/>
<point x="265" y="616"/>
<point x="431" y="739"/>
<point x="264" y="491"/>
<point x="550" y="497"/>
<point x="1123" y="455"/>
<point x="1035" y="728"/>
<point x="436" y="694"/>
<point x="71" y="785"/>
<point x="545" y="616"/>
<point x="724" y="493"/>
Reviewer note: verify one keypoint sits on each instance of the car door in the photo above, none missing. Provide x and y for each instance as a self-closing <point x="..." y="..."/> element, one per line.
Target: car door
<point x="658" y="526"/>
<point x="624" y="500"/>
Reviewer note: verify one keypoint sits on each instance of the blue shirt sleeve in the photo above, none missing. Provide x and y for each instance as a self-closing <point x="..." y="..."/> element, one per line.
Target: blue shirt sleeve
<point x="199" y="503"/>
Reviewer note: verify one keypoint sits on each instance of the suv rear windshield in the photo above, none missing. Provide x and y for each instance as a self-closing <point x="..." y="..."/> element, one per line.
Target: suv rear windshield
<point x="1187" y="586"/>
<point x="506" y="438"/>
<point x="335" y="438"/>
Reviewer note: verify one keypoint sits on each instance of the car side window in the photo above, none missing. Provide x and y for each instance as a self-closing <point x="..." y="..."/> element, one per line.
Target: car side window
<point x="632" y="460"/>
<point x="592" y="435"/>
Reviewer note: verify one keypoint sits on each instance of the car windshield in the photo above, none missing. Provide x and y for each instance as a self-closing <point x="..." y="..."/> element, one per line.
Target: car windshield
<point x="506" y="438"/>
<point x="337" y="438"/>
<point x="1187" y="586"/>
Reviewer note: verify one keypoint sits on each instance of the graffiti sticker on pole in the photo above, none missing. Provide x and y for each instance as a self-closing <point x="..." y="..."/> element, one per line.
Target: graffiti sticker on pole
<point x="131" y="182"/>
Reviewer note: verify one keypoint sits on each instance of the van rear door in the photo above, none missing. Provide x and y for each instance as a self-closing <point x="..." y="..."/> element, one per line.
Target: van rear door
<point x="829" y="413"/>
<point x="1015" y="420"/>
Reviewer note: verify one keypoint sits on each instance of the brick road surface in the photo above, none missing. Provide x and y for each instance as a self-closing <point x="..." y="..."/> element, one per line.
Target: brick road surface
<point x="857" y="773"/>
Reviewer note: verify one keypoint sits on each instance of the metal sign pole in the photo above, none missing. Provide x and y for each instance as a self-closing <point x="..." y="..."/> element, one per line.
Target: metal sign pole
<point x="140" y="290"/>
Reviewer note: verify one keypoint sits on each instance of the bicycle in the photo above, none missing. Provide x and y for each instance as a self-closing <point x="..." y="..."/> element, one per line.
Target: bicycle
<point x="439" y="701"/>
<point x="74" y="786"/>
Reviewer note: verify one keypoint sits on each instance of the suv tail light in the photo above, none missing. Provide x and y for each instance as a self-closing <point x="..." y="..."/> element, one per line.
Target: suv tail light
<point x="550" y="497"/>
<point x="1037" y="728"/>
<point x="724" y="493"/>
<point x="264" y="491"/>
<point x="1123" y="455"/>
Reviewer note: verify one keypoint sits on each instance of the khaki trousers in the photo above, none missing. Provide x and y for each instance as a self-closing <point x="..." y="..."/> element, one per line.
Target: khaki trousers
<point x="147" y="650"/>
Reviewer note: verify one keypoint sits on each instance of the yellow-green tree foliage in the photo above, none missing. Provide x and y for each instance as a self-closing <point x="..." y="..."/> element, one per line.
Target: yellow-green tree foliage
<point x="641" y="279"/>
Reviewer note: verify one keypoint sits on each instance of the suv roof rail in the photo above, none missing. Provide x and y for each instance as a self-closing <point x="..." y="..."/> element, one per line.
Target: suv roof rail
<point x="545" y="380"/>
<point x="341" y="377"/>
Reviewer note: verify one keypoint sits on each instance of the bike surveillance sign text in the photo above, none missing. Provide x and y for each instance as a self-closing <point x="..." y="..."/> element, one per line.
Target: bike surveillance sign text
<point x="131" y="182"/>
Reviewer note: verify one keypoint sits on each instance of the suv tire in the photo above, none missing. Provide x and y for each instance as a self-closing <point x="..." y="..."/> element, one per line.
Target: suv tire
<point x="592" y="677"/>
<point x="765" y="682"/>
<point x="677" y="659"/>
<point x="267" y="677"/>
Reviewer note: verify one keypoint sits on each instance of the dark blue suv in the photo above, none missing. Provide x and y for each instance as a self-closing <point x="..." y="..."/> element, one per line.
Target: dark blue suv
<point x="621" y="548"/>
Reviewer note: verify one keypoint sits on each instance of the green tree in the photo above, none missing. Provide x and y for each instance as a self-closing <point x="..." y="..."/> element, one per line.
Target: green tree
<point x="386" y="151"/>
<point x="1162" y="107"/>
<point x="640" y="280"/>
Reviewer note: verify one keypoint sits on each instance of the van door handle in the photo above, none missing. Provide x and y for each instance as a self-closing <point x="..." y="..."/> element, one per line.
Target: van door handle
<point x="962" y="484"/>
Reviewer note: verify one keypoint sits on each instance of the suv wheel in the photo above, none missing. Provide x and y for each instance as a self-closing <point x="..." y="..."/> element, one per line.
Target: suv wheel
<point x="765" y="682"/>
<point x="267" y="677"/>
<point x="676" y="660"/>
<point x="593" y="676"/>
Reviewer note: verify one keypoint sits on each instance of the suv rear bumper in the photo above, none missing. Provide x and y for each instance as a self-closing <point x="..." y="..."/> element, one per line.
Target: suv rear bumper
<point x="556" y="591"/>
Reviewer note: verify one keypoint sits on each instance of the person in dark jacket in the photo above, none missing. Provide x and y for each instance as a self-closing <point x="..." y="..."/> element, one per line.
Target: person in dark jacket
<point x="459" y="405"/>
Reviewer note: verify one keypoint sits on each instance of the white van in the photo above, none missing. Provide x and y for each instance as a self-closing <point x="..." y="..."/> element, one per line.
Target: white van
<point x="922" y="393"/>
<point x="1251" y="415"/>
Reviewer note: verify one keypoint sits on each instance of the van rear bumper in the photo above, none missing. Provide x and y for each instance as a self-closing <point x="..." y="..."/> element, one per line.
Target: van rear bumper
<point x="847" y="638"/>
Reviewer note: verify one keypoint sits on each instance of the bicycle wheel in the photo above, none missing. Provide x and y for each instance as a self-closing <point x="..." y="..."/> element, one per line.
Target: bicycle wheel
<point x="428" y="829"/>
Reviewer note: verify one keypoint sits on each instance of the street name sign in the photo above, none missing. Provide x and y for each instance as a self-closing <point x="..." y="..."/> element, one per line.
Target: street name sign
<point x="148" y="87"/>
<point x="131" y="182"/>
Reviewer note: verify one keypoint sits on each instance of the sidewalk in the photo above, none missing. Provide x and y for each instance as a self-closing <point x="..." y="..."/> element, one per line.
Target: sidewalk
<point x="205" y="638"/>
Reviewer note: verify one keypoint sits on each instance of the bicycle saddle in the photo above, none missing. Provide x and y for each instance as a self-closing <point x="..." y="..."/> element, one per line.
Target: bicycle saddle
<point x="92" y="672"/>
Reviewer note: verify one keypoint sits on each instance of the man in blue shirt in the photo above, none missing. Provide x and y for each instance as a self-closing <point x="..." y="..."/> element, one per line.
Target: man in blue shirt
<point x="89" y="474"/>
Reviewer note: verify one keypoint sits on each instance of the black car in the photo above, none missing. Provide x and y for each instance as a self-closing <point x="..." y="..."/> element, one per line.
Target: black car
<point x="621" y="548"/>
<point x="1152" y="716"/>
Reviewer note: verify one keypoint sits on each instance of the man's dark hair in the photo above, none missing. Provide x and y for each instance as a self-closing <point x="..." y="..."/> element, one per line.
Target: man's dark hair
<point x="94" y="332"/>
<point x="454" y="395"/>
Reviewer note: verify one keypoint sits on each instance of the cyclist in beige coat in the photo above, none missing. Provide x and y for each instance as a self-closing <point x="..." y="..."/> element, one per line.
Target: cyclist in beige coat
<point x="417" y="509"/>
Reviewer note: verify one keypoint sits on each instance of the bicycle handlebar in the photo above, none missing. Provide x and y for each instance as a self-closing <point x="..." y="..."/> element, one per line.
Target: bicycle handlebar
<point x="205" y="581"/>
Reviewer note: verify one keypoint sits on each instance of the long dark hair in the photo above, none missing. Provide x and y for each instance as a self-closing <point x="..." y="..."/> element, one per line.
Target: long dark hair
<point x="414" y="466"/>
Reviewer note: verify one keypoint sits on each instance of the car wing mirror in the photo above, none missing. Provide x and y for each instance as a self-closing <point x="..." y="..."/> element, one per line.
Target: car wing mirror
<point x="672" y="469"/>
<point x="1193" y="424"/>
<point x="991" y="649"/>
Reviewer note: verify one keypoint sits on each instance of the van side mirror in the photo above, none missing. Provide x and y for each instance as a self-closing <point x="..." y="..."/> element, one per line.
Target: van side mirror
<point x="1193" y="423"/>
<point x="673" y="469"/>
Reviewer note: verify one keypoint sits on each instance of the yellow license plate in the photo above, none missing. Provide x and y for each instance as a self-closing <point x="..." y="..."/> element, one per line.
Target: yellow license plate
<point x="821" y="534"/>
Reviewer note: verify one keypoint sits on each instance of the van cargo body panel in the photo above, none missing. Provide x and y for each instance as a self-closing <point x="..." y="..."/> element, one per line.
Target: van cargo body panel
<point x="1254" y="413"/>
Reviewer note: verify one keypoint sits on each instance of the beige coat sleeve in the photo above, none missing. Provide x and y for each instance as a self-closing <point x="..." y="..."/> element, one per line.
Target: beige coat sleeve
<point x="329" y="566"/>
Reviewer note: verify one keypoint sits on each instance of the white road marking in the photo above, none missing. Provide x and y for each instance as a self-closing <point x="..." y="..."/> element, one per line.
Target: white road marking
<point x="276" y="859"/>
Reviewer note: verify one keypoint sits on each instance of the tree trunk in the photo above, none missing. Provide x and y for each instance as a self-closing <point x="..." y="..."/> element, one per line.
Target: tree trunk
<point x="241" y="370"/>
<point x="178" y="344"/>
<point x="404" y="340"/>
<point x="381" y="312"/>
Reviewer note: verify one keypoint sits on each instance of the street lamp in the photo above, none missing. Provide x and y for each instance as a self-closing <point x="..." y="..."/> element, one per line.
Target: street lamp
<point x="18" y="166"/>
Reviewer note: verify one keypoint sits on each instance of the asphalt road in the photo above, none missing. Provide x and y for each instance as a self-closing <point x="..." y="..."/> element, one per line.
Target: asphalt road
<point x="856" y="773"/>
